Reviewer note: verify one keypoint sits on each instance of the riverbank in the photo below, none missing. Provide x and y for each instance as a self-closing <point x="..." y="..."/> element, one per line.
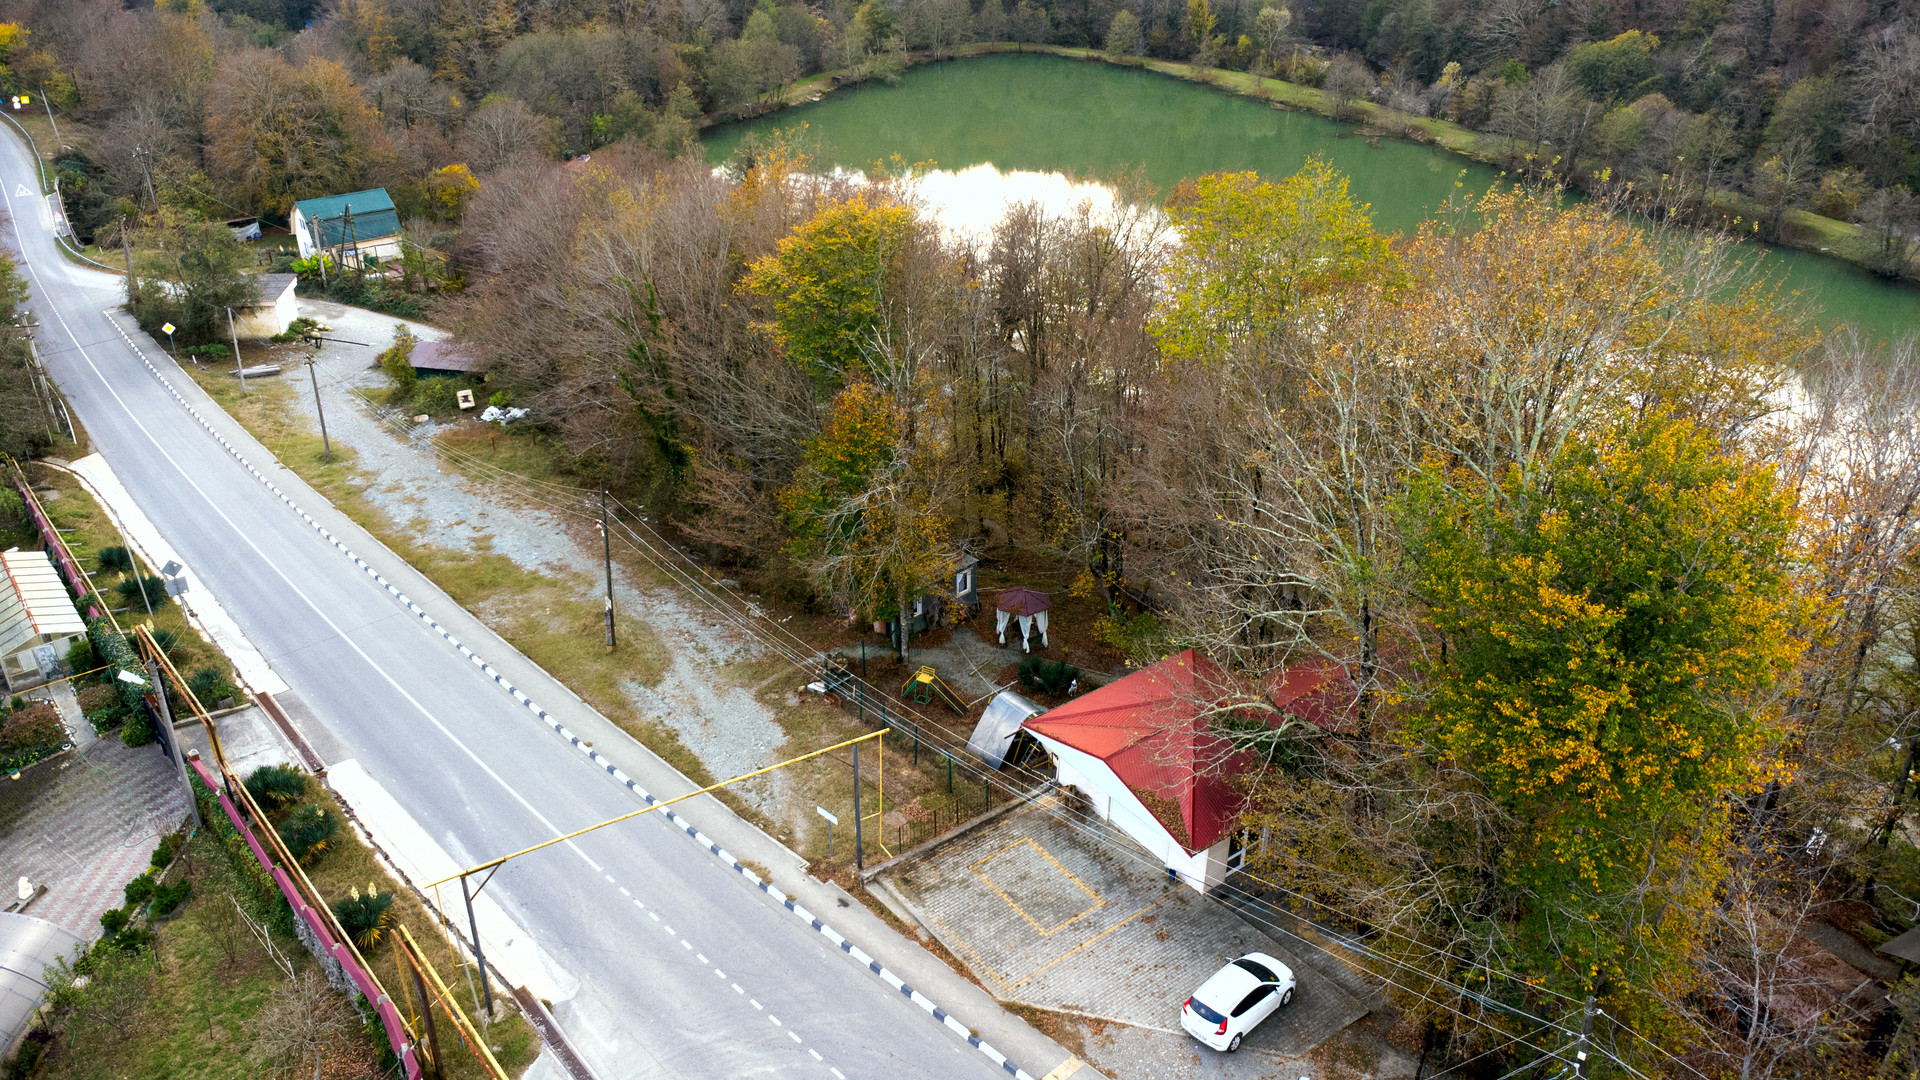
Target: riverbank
<point x="1800" y="229"/>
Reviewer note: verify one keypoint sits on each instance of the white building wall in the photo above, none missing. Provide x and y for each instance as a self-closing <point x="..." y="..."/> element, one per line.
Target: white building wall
<point x="1115" y="802"/>
<point x="266" y="320"/>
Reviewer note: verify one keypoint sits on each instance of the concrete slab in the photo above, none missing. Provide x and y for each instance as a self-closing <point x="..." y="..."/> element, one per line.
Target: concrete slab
<point x="1057" y="912"/>
<point x="249" y="737"/>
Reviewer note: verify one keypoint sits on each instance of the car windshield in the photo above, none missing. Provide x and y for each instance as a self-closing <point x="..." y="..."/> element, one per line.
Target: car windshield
<point x="1258" y="971"/>
<point x="1205" y="1013"/>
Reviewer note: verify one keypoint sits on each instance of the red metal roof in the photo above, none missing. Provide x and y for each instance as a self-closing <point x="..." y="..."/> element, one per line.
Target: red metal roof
<point x="1149" y="729"/>
<point x="1152" y="730"/>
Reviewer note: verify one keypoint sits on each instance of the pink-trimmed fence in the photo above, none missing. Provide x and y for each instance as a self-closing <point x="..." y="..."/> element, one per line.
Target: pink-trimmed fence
<point x="56" y="547"/>
<point x="389" y="1015"/>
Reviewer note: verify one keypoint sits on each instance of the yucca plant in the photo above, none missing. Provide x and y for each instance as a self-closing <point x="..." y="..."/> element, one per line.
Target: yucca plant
<point x="307" y="831"/>
<point x="365" y="916"/>
<point x="115" y="560"/>
<point x="276" y="786"/>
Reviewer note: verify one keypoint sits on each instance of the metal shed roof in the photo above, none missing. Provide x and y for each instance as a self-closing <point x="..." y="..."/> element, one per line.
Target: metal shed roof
<point x="993" y="735"/>
<point x="34" y="603"/>
<point x="373" y="216"/>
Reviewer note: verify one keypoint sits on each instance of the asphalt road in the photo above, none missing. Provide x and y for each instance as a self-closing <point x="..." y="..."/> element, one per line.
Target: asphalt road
<point x="472" y="767"/>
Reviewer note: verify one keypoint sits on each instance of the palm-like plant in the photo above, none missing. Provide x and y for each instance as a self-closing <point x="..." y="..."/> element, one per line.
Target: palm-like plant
<point x="365" y="916"/>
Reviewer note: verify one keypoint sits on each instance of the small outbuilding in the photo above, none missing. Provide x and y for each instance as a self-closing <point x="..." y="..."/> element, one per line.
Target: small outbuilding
<point x="357" y="228"/>
<point x="445" y="360"/>
<point x="999" y="728"/>
<point x="273" y="311"/>
<point x="38" y="622"/>
<point x="1142" y="751"/>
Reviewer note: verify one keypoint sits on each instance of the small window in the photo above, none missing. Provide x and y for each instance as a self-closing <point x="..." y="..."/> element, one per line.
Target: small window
<point x="1206" y="1013"/>
<point x="1258" y="971"/>
<point x="1259" y="994"/>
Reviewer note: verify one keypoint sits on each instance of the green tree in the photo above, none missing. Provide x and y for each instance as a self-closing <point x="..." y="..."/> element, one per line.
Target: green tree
<point x="1811" y="111"/>
<point x="828" y="283"/>
<point x="190" y="274"/>
<point x="1615" y="70"/>
<point x="1613" y="630"/>
<point x="1253" y="251"/>
<point x="396" y="361"/>
<point x="1200" y="23"/>
<point x="1123" y="35"/>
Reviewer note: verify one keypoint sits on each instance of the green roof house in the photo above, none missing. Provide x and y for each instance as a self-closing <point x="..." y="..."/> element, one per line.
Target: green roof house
<point x="356" y="228"/>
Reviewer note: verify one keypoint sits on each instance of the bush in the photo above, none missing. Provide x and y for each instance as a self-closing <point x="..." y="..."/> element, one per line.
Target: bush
<point x="307" y="832"/>
<point x="296" y="330"/>
<point x="1046" y="676"/>
<point x="164" y="852"/>
<point x="210" y="684"/>
<point x="211" y="351"/>
<point x="80" y="657"/>
<point x="152" y="585"/>
<point x="365" y="916"/>
<point x="435" y="396"/>
<point x="115" y="560"/>
<point x="108" y="718"/>
<point x="32" y="728"/>
<point x="116" y="920"/>
<point x="168" y="897"/>
<point x="1138" y="636"/>
<point x="138" y="730"/>
<point x="277" y="786"/>
<point x="139" y="890"/>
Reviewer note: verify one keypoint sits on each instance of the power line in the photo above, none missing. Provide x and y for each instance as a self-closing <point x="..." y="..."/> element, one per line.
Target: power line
<point x="568" y="500"/>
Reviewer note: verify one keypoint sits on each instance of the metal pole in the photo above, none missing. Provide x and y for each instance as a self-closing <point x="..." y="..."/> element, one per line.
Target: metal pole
<point x="606" y="550"/>
<point x="239" y="368"/>
<point x="126" y="247"/>
<point x="48" y="102"/>
<point x="172" y="738"/>
<point x="480" y="958"/>
<point x="859" y="846"/>
<point x="426" y="1010"/>
<point x="319" y="253"/>
<point x="1580" y="1047"/>
<point x="175" y="353"/>
<point x="321" y="409"/>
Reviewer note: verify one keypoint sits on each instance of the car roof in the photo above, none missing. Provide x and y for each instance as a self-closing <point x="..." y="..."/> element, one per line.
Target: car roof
<point x="1281" y="972"/>
<point x="1227" y="986"/>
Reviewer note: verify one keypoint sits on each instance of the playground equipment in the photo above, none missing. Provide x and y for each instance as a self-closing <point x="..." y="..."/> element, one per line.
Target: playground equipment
<point x="925" y="686"/>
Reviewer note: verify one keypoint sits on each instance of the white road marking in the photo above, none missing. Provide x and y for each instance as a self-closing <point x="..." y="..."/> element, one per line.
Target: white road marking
<point x="792" y="1036"/>
<point x="650" y="914"/>
<point x="775" y="1019"/>
<point x="703" y="958"/>
<point x="684" y="945"/>
<point x="754" y="1003"/>
<point x="815" y="1053"/>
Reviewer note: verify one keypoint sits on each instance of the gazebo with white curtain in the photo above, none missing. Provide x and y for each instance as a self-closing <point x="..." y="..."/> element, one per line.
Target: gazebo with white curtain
<point x="1024" y="607"/>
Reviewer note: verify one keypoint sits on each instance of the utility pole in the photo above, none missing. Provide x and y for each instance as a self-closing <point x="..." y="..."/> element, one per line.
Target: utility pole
<point x="1580" y="1046"/>
<point x="324" y="441"/>
<point x="126" y="248"/>
<point x="606" y="548"/>
<point x="352" y="238"/>
<point x="141" y="154"/>
<point x="239" y="367"/>
<point x="319" y="253"/>
<point x="480" y="958"/>
<point x="170" y="738"/>
<point x="48" y="102"/>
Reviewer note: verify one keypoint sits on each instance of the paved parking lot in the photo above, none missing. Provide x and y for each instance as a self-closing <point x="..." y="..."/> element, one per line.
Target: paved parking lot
<point x="1067" y="914"/>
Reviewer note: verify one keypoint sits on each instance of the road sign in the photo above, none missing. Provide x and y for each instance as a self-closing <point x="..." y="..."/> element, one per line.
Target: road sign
<point x="825" y="813"/>
<point x="171" y="568"/>
<point x="166" y="328"/>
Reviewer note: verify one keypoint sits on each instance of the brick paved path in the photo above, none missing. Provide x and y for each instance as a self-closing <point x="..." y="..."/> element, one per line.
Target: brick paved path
<point x="84" y="824"/>
<point x="1068" y="914"/>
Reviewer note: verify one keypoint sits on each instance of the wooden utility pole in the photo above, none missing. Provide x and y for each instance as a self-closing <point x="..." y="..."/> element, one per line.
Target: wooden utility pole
<point x="606" y="549"/>
<point x="239" y="367"/>
<point x="141" y="154"/>
<point x="322" y="410"/>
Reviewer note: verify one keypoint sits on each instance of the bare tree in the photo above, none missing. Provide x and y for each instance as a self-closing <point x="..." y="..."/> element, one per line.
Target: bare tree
<point x="502" y="132"/>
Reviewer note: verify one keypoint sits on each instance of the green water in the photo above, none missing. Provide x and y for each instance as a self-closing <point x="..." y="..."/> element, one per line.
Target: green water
<point x="1047" y="114"/>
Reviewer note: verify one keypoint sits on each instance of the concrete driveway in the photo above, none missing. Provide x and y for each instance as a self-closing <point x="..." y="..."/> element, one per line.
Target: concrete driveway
<point x="1063" y="913"/>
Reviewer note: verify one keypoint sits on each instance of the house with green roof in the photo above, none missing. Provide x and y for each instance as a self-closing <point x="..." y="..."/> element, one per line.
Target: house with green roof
<point x="356" y="228"/>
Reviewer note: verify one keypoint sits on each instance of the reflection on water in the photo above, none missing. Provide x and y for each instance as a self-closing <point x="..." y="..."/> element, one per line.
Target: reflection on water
<point x="1037" y="117"/>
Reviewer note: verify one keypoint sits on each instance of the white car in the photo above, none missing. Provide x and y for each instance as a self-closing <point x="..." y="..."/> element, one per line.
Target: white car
<point x="1236" y="999"/>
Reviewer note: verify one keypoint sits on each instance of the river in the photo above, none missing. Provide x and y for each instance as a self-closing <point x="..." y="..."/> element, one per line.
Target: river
<point x="1035" y="114"/>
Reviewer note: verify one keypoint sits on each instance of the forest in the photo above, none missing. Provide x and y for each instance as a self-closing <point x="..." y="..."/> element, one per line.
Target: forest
<point x="1617" y="551"/>
<point x="1727" y="111"/>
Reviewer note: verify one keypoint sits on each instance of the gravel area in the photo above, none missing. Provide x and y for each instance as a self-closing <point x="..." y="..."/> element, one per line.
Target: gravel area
<point x="723" y="724"/>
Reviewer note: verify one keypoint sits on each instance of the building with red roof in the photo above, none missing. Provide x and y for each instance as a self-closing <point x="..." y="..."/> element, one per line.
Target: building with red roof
<point x="1143" y="752"/>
